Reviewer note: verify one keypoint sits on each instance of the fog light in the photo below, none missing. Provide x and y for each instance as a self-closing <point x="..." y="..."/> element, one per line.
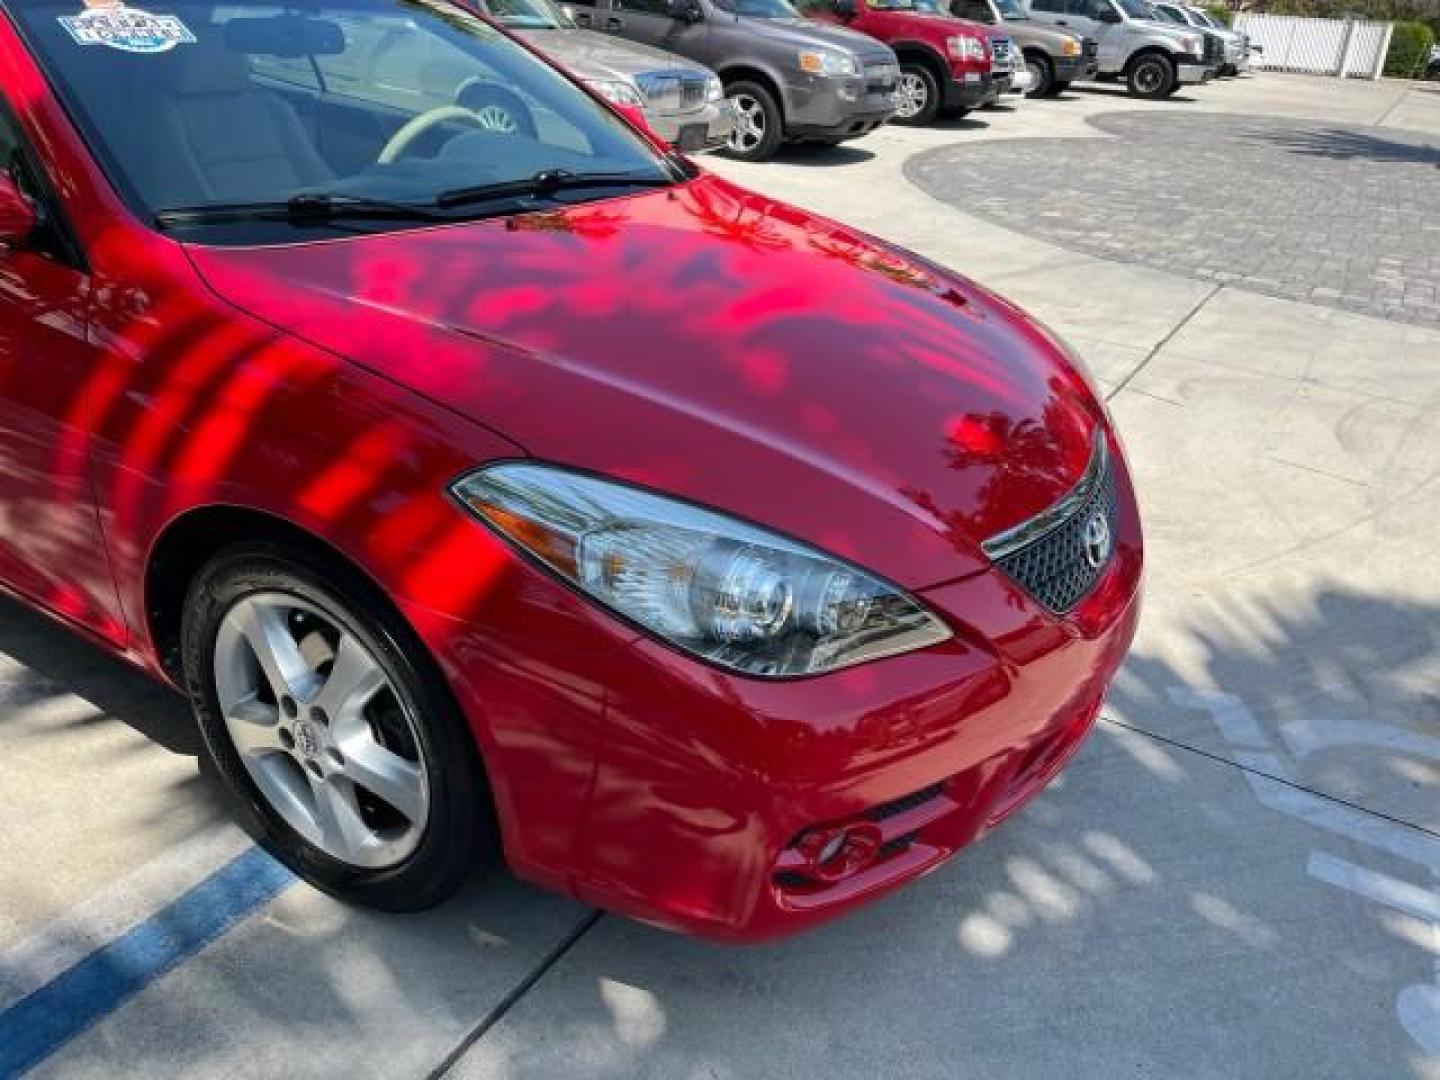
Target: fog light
<point x="832" y="848"/>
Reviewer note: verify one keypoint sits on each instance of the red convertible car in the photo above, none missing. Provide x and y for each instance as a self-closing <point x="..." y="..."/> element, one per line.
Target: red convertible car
<point x="492" y="479"/>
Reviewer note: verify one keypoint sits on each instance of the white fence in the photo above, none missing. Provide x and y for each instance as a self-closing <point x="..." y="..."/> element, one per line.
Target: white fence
<point x="1348" y="48"/>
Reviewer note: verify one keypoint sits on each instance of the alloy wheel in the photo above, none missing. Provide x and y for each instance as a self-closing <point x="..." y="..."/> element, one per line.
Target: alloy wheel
<point x="749" y="129"/>
<point x="911" y="95"/>
<point x="321" y="730"/>
<point x="1149" y="77"/>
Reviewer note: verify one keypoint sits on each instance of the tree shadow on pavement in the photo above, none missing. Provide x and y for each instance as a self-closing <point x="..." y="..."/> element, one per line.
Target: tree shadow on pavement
<point x="1342" y="144"/>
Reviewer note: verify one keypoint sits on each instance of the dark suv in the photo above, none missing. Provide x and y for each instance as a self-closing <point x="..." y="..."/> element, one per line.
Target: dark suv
<point x="788" y="77"/>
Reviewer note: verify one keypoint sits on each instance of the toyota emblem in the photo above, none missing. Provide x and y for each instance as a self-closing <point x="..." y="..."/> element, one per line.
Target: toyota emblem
<point x="1097" y="540"/>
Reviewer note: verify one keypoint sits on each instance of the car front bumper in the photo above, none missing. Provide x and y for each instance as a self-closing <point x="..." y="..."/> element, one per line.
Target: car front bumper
<point x="973" y="89"/>
<point x="1190" y="74"/>
<point x="706" y="128"/>
<point x="1069" y="69"/>
<point x="710" y="790"/>
<point x="835" y="109"/>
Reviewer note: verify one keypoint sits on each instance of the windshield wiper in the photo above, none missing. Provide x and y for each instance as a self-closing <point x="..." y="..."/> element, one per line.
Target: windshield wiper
<point x="309" y="206"/>
<point x="545" y="183"/>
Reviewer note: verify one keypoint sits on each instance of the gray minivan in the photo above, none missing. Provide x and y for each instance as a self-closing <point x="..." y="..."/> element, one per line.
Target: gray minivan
<point x="789" y="78"/>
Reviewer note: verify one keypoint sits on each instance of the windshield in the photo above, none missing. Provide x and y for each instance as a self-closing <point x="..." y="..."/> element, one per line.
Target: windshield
<point x="758" y="9"/>
<point x="1138" y="9"/>
<point x="528" y="14"/>
<point x="1204" y="18"/>
<point x="1164" y="14"/>
<point x="194" y="104"/>
<point x="1012" y="10"/>
<point x="890" y="5"/>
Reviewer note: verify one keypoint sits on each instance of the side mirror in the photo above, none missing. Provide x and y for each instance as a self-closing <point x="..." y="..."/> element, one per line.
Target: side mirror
<point x="17" y="214"/>
<point x="1107" y="14"/>
<point x="846" y="9"/>
<point x="687" y="11"/>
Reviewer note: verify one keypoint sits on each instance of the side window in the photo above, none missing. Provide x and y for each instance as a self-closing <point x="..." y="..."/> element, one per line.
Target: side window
<point x="975" y="10"/>
<point x="645" y="7"/>
<point x="1055" y="7"/>
<point x="813" y="7"/>
<point x="1094" y="9"/>
<point x="51" y="238"/>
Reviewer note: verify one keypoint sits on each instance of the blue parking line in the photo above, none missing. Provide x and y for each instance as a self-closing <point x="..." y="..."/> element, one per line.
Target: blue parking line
<point x="36" y="1026"/>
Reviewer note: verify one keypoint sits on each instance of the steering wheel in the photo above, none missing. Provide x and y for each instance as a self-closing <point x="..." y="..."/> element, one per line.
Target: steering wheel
<point x="500" y="110"/>
<point x="418" y="125"/>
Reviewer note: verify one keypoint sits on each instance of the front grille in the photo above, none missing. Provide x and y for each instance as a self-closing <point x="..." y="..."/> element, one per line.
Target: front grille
<point x="1059" y="555"/>
<point x="1092" y="48"/>
<point x="1213" y="47"/>
<point x="881" y="78"/>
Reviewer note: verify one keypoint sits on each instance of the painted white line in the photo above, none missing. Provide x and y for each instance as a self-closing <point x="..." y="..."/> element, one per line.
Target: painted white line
<point x="32" y="962"/>
<point x="1305" y="737"/>
<point x="1382" y="888"/>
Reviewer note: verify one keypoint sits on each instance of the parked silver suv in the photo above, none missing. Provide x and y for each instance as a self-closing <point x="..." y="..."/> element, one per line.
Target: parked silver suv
<point x="683" y="102"/>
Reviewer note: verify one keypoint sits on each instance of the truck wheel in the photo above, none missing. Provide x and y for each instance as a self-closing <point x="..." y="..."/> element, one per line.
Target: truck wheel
<point x="759" y="127"/>
<point x="918" y="95"/>
<point x="1150" y="76"/>
<point x="1042" y="75"/>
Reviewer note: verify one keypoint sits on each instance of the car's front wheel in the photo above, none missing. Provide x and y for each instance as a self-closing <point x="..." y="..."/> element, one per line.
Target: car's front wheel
<point x="349" y="758"/>
<point x="759" y="127"/>
<point x="1151" y="76"/>
<point x="918" y="95"/>
<point x="1042" y="75"/>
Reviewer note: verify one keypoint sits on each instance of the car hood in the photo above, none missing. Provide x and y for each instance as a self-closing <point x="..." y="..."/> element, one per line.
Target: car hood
<point x="1030" y="32"/>
<point x="803" y="33"/>
<point x="590" y="55"/>
<point x="718" y="346"/>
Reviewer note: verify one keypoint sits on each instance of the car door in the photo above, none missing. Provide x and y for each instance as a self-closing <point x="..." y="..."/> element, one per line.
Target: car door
<point x="51" y="548"/>
<point x="1097" y="19"/>
<point x="650" y="22"/>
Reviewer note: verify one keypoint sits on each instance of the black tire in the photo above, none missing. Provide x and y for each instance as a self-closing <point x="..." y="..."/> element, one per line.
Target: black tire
<point x="1058" y="87"/>
<point x="927" y="100"/>
<point x="759" y="104"/>
<point x="1044" y="72"/>
<point x="1151" y="76"/>
<point x="459" y="835"/>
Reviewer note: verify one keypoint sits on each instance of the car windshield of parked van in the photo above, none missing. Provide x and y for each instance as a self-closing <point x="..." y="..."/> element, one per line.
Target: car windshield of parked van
<point x="528" y="14"/>
<point x="758" y="9"/>
<point x="371" y="112"/>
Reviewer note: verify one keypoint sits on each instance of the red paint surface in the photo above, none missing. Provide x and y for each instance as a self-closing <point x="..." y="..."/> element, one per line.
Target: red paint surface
<point x="707" y="341"/>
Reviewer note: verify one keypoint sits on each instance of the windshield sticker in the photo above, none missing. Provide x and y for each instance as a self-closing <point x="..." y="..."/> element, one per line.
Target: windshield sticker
<point x="127" y="29"/>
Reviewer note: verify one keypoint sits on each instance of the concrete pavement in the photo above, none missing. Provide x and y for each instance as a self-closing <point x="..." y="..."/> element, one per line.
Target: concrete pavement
<point x="1240" y="874"/>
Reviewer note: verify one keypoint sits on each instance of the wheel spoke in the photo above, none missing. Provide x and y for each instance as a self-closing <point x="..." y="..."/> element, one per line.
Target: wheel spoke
<point x="263" y="628"/>
<point x="342" y="829"/>
<point x="387" y="775"/>
<point x="255" y="728"/>
<point x="355" y="677"/>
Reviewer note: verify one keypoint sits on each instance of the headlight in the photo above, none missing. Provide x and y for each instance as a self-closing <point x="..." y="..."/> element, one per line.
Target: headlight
<point x="714" y="91"/>
<point x="965" y="48"/>
<point x="732" y="593"/>
<point x="621" y="93"/>
<point x="827" y="62"/>
<point x="1194" y="45"/>
<point x="1070" y="47"/>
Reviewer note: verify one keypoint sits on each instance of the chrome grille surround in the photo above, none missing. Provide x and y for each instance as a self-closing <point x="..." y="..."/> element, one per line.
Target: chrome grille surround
<point x="1046" y="555"/>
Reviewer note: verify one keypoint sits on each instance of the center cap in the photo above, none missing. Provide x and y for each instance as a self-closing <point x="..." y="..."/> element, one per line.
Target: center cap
<point x="307" y="740"/>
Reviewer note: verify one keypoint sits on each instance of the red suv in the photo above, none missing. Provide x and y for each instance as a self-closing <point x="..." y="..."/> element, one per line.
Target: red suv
<point x="491" y="479"/>
<point x="947" y="65"/>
